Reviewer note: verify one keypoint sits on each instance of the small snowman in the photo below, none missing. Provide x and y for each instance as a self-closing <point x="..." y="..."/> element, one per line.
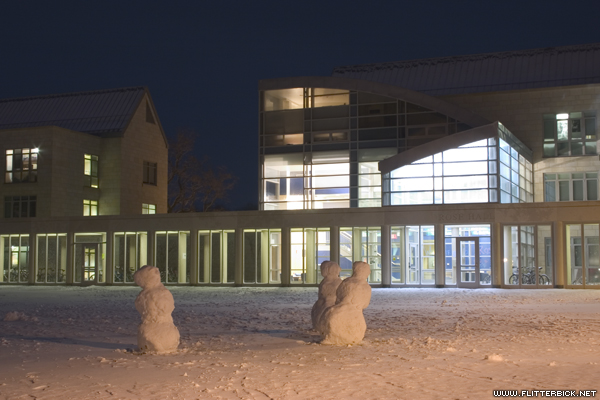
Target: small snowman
<point x="327" y="291"/>
<point x="155" y="303"/>
<point x="344" y="322"/>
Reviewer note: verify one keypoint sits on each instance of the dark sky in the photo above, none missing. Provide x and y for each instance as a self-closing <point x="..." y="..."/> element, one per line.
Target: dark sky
<point x="202" y="59"/>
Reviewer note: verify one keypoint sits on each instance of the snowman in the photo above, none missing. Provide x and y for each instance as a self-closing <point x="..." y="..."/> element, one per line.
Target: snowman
<point x="327" y="289"/>
<point x="156" y="333"/>
<point x="344" y="322"/>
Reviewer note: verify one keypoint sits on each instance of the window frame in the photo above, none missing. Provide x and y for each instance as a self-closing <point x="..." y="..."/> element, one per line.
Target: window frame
<point x="550" y="128"/>
<point x="30" y="209"/>
<point x="15" y="164"/>
<point x="150" y="173"/>
<point x="92" y="207"/>
<point x="148" y="208"/>
<point x="91" y="177"/>
<point x="570" y="180"/>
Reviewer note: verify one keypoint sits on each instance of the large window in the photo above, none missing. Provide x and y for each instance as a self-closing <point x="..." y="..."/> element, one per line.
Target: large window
<point x="171" y="256"/>
<point x="14" y="258"/>
<point x="413" y="255"/>
<point x="90" y="257"/>
<point x="583" y="254"/>
<point x="148" y="208"/>
<point x="90" y="170"/>
<point x="262" y="256"/>
<point x="149" y="173"/>
<point x="51" y="259"/>
<point x="577" y="186"/>
<point x="216" y="256"/>
<point x="21" y="165"/>
<point x="465" y="270"/>
<point x="361" y="244"/>
<point x="528" y="255"/>
<point x="20" y="206"/>
<point x="130" y="253"/>
<point x="570" y="134"/>
<point x="310" y="247"/>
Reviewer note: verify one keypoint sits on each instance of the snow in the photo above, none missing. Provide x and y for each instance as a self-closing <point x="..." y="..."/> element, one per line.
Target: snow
<point x="344" y="322"/>
<point x="155" y="303"/>
<point x="258" y="343"/>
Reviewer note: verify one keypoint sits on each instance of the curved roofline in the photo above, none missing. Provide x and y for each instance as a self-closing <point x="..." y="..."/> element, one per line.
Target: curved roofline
<point x="461" y="114"/>
<point x="437" y="146"/>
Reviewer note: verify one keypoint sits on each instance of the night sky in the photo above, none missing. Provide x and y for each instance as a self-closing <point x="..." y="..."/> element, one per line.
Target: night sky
<point x="202" y="60"/>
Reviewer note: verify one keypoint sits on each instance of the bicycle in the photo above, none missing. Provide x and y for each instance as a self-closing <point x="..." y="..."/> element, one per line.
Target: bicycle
<point x="528" y="278"/>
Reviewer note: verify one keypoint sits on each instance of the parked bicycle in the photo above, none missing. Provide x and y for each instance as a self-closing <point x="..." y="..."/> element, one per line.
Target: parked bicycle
<point x="528" y="278"/>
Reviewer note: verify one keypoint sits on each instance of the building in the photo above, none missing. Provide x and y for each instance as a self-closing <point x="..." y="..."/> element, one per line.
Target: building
<point x="468" y="171"/>
<point x="88" y="153"/>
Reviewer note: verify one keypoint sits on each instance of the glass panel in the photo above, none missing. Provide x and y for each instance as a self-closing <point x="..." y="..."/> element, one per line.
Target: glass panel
<point x="563" y="188"/>
<point x="574" y="255"/>
<point x="283" y="99"/>
<point x="397" y="257"/>
<point x="331" y="97"/>
<point x="578" y="190"/>
<point x="592" y="189"/>
<point x="592" y="254"/>
<point x="545" y="255"/>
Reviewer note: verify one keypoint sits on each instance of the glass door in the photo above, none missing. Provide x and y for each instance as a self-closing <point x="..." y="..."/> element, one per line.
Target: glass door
<point x="467" y="259"/>
<point x="90" y="263"/>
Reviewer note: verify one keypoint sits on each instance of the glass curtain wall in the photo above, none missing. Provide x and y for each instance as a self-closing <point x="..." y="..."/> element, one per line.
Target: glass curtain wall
<point x="51" y="258"/>
<point x="361" y="244"/>
<point x="583" y="255"/>
<point x="171" y="256"/>
<point x="471" y="173"/>
<point x="413" y="255"/>
<point x="309" y="248"/>
<point x="527" y="258"/>
<point x="130" y="252"/>
<point x="451" y="233"/>
<point x="216" y="256"/>
<point x="262" y="256"/>
<point x="14" y="258"/>
<point x="90" y="257"/>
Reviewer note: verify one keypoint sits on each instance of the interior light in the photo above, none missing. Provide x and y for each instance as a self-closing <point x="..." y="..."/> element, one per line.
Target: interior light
<point x="35" y="150"/>
<point x="562" y="116"/>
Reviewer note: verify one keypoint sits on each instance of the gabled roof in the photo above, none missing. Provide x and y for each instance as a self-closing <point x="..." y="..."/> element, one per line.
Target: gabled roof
<point x="489" y="72"/>
<point x="100" y="113"/>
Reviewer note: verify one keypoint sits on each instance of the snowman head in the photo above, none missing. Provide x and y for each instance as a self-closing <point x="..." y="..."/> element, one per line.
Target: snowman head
<point x="147" y="277"/>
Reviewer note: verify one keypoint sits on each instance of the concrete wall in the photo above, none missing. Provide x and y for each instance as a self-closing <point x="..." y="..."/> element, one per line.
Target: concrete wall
<point x="143" y="141"/>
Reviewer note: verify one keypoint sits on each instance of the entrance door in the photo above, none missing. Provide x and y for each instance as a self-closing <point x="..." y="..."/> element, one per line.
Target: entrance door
<point x="90" y="263"/>
<point x="467" y="260"/>
<point x="414" y="271"/>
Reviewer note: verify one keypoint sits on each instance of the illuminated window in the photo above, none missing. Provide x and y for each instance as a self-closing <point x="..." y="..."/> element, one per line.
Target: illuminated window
<point x="570" y="134"/>
<point x="20" y="206"/>
<point x="148" y="208"/>
<point x="149" y="173"/>
<point x="90" y="208"/>
<point x="577" y="186"/>
<point x="90" y="170"/>
<point x="21" y="165"/>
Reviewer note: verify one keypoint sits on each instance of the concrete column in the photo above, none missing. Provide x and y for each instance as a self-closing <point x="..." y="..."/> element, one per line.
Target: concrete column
<point x="386" y="256"/>
<point x="109" y="259"/>
<point x="334" y="244"/>
<point x="239" y="257"/>
<point x="151" y="244"/>
<point x="70" y="258"/>
<point x="32" y="256"/>
<point x="286" y="269"/>
<point x="559" y="252"/>
<point x="497" y="254"/>
<point x="192" y="255"/>
<point x="440" y="259"/>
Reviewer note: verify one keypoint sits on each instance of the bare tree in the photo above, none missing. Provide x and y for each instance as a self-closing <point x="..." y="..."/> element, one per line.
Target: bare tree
<point x="194" y="185"/>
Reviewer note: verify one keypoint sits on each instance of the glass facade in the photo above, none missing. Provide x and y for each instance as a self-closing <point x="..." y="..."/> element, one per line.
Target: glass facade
<point x="570" y="134"/>
<point x="90" y="258"/>
<point x="485" y="171"/>
<point x="527" y="255"/>
<point x="319" y="147"/>
<point x="413" y="255"/>
<point x="467" y="255"/>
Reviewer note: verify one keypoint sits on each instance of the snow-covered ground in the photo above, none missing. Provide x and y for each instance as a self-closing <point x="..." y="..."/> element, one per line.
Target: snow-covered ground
<point x="257" y="343"/>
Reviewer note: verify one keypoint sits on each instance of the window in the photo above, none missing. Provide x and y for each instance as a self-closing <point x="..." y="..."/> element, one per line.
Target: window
<point x="149" y="173"/>
<point x="577" y="186"/>
<point x="20" y="206"/>
<point x="570" y="134"/>
<point x="148" y="208"/>
<point x="90" y="208"/>
<point x="21" y="165"/>
<point x="90" y="170"/>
